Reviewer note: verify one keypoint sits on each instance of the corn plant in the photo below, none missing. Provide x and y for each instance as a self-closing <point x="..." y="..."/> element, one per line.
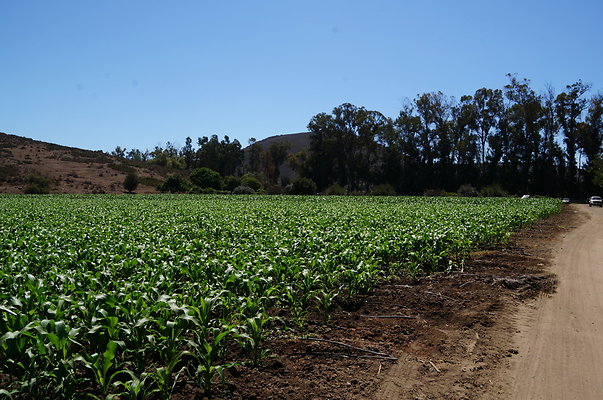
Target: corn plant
<point x="121" y="293"/>
<point x="206" y="352"/>
<point x="137" y="387"/>
<point x="101" y="367"/>
<point x="252" y="339"/>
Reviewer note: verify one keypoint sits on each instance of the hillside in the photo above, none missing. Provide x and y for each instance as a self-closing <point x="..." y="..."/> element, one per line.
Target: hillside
<point x="70" y="170"/>
<point x="297" y="142"/>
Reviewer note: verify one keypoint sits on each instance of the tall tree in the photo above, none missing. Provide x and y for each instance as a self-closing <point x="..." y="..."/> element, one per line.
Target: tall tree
<point x="591" y="134"/>
<point x="489" y="106"/>
<point x="524" y="119"/>
<point x="569" y="107"/>
<point x="343" y="145"/>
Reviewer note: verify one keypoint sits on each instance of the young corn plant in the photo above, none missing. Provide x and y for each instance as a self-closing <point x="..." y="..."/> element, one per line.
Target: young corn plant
<point x="253" y="337"/>
<point x="167" y="377"/>
<point x="325" y="300"/>
<point x="138" y="387"/>
<point x="207" y="353"/>
<point x="298" y="307"/>
<point x="101" y="366"/>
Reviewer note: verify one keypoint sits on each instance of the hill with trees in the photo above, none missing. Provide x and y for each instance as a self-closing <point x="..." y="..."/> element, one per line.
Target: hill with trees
<point x="32" y="166"/>
<point x="511" y="140"/>
<point x="495" y="141"/>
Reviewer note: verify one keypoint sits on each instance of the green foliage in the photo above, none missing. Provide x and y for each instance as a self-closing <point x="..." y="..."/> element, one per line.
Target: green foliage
<point x="38" y="185"/>
<point x="385" y="189"/>
<point x="494" y="190"/>
<point x="131" y="182"/>
<point x="467" y="190"/>
<point x="597" y="172"/>
<point x="303" y="186"/>
<point x="243" y="190"/>
<point x="174" y="184"/>
<point x="126" y="169"/>
<point x="206" y="178"/>
<point x="94" y="303"/>
<point x="252" y="182"/>
<point x="231" y="182"/>
<point x="335" y="190"/>
<point x="434" y="192"/>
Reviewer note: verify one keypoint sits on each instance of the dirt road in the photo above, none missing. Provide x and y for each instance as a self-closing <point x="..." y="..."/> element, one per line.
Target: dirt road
<point x="560" y="337"/>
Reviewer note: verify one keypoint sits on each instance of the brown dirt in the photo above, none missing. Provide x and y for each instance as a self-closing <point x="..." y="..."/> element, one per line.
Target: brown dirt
<point x="457" y="339"/>
<point x="70" y="170"/>
<point x="559" y="338"/>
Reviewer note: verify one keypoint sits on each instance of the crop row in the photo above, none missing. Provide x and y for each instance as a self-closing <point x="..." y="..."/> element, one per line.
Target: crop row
<point x="124" y="296"/>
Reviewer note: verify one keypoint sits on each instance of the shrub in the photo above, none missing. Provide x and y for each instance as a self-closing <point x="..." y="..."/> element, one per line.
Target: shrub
<point x="251" y="181"/>
<point x="243" y="190"/>
<point x="433" y="192"/>
<point x="173" y="184"/>
<point x="274" y="189"/>
<point x="335" y="190"/>
<point x="494" y="190"/>
<point x="231" y="182"/>
<point x="206" y="178"/>
<point x="467" y="190"/>
<point x="131" y="182"/>
<point x="303" y="186"/>
<point x="385" y="189"/>
<point x="38" y="185"/>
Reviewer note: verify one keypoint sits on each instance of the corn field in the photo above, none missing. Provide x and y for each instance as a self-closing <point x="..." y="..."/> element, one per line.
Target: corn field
<point x="123" y="297"/>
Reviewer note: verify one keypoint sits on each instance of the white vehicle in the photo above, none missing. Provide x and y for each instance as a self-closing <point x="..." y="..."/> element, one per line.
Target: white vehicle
<point x="595" y="201"/>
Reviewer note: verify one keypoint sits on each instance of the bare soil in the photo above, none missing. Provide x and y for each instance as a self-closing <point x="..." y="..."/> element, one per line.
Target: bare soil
<point x="450" y="334"/>
<point x="560" y="337"/>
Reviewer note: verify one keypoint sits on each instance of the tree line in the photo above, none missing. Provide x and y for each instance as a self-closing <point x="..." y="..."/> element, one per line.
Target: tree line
<point x="510" y="140"/>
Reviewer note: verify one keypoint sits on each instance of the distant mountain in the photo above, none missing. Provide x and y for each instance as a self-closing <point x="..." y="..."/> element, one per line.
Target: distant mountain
<point x="297" y="143"/>
<point x="69" y="169"/>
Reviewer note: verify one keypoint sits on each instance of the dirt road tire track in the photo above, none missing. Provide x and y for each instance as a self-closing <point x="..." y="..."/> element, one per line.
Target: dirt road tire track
<point x="560" y="337"/>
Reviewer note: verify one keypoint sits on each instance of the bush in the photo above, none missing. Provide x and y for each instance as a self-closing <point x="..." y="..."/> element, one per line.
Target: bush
<point x="206" y="178"/>
<point x="385" y="189"/>
<point x="335" y="190"/>
<point x="467" y="190"/>
<point x="274" y="189"/>
<point x="38" y="185"/>
<point x="173" y="184"/>
<point x="231" y="182"/>
<point x="494" y="190"/>
<point x="131" y="182"/>
<point x="243" y="190"/>
<point x="433" y="192"/>
<point x="303" y="186"/>
<point x="251" y="181"/>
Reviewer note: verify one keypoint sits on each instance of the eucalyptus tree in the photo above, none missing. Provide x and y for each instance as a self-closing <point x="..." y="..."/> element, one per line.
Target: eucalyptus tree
<point x="488" y="105"/>
<point x="524" y="118"/>
<point x="343" y="145"/>
<point x="569" y="107"/>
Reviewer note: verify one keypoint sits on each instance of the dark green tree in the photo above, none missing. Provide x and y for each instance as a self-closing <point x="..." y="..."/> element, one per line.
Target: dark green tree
<point x="488" y="107"/>
<point x="206" y="178"/>
<point x="569" y="107"/>
<point x="131" y="182"/>
<point x="173" y="184"/>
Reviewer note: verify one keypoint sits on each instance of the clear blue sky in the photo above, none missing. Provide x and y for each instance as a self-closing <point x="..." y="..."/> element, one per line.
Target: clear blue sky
<point x="97" y="74"/>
